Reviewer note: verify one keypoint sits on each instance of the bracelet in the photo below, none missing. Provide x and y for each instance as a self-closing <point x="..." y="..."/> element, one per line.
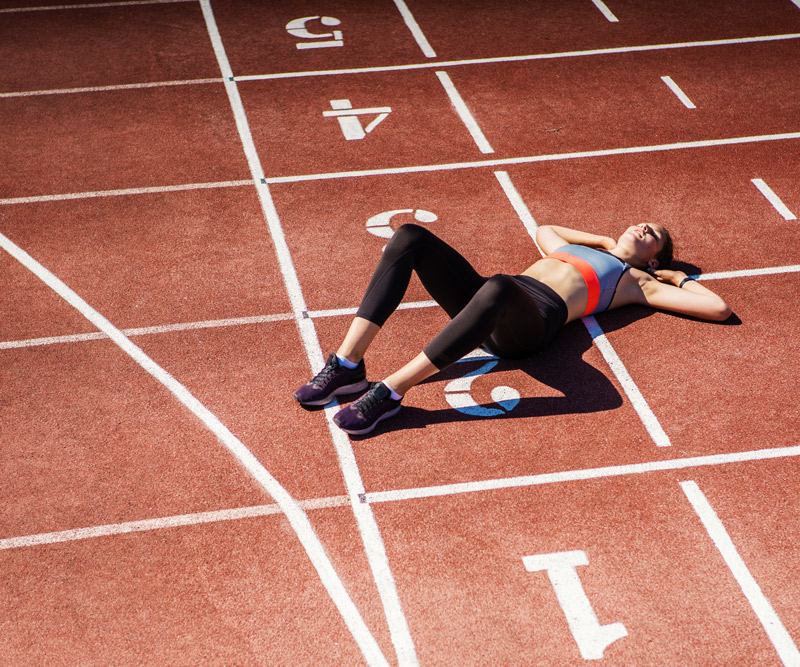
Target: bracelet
<point x="684" y="280"/>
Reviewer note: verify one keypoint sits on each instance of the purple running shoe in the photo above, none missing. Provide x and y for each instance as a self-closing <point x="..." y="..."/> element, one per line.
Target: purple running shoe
<point x="363" y="415"/>
<point x="332" y="380"/>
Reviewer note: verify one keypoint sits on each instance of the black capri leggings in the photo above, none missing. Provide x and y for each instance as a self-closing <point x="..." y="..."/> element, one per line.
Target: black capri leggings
<point x="511" y="316"/>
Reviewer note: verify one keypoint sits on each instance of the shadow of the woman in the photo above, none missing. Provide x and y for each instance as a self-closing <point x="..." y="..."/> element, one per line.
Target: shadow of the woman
<point x="560" y="366"/>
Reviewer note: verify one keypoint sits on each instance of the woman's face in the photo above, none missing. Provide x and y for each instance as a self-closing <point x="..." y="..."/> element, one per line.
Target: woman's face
<point x="643" y="241"/>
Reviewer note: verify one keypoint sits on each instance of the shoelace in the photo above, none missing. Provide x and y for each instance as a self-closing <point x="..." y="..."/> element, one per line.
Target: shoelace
<point x="322" y="378"/>
<point x="368" y="401"/>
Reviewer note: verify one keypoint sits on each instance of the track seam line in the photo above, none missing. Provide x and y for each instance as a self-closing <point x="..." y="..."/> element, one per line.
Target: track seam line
<point x="92" y="5"/>
<point x="294" y="513"/>
<point x="314" y="314"/>
<point x="581" y="475"/>
<point x="173" y="521"/>
<point x="766" y="614"/>
<point x="124" y="192"/>
<point x="400" y="495"/>
<point x="531" y="159"/>
<point x="110" y="87"/>
<point x="523" y="58"/>
<point x="638" y="401"/>
<point x="368" y="528"/>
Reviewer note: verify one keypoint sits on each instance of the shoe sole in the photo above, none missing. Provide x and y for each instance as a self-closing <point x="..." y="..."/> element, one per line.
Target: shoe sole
<point x="385" y="415"/>
<point x="347" y="389"/>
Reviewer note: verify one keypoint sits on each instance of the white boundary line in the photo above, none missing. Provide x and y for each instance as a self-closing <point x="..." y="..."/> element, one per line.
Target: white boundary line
<point x="100" y="89"/>
<point x="93" y="5"/>
<point x="531" y="159"/>
<point x="161" y="523"/>
<point x="294" y="513"/>
<point x="404" y="494"/>
<point x="368" y="527"/>
<point x="523" y="58"/>
<point x="579" y="475"/>
<point x="777" y="633"/>
<point x="605" y="10"/>
<point x="675" y="88"/>
<point x="124" y="192"/>
<point x="416" y="31"/>
<point x="464" y="113"/>
<point x="650" y="421"/>
<point x="314" y="314"/>
<point x="773" y="199"/>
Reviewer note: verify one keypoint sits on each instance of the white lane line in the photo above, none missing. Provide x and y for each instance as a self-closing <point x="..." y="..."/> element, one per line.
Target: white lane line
<point x="294" y="513"/>
<point x="370" y="533"/>
<point x="464" y="113"/>
<point x="161" y="523"/>
<point x="796" y="3"/>
<point x="416" y="31"/>
<point x="512" y="59"/>
<point x="124" y="192"/>
<point x="145" y="331"/>
<point x="93" y="5"/>
<point x="531" y="159"/>
<point x="777" y="633"/>
<point x="650" y="421"/>
<point x="100" y="89"/>
<point x="580" y="475"/>
<point x="773" y="199"/>
<point x="335" y="312"/>
<point x="605" y="10"/>
<point x="675" y="88"/>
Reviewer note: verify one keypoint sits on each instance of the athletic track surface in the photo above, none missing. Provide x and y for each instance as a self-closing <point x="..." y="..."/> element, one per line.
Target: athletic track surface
<point x="192" y="198"/>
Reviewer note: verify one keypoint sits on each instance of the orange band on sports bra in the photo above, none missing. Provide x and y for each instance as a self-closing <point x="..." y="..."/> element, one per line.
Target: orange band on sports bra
<point x="588" y="274"/>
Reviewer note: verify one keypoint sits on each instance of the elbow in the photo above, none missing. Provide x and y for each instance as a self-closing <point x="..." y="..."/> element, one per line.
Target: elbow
<point x="721" y="312"/>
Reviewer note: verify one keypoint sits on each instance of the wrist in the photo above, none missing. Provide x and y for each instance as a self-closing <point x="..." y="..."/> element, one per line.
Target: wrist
<point x="685" y="280"/>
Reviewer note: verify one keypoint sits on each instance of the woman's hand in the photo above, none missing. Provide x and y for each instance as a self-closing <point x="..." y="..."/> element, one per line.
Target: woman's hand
<point x="669" y="277"/>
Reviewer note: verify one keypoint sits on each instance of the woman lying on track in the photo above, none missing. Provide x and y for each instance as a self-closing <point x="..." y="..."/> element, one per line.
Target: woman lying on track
<point x="510" y="316"/>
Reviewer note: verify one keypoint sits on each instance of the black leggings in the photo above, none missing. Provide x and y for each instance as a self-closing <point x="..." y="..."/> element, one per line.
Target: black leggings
<point x="511" y="316"/>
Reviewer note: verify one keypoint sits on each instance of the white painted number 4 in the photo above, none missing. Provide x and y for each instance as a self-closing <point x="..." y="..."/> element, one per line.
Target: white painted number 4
<point x="591" y="637"/>
<point x="349" y="121"/>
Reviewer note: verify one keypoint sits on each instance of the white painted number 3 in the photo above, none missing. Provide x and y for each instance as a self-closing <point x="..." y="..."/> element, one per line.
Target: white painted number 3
<point x="591" y="637"/>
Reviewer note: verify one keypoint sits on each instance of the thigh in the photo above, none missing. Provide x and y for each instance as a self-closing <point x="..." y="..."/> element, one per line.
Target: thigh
<point x="446" y="274"/>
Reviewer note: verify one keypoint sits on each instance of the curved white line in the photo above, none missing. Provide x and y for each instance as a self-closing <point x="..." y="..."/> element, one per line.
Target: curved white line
<point x="294" y="513"/>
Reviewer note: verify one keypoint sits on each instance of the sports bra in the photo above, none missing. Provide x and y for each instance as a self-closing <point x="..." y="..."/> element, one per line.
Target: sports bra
<point x="601" y="272"/>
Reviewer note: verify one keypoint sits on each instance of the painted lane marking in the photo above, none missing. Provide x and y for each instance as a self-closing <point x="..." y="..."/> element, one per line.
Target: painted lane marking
<point x="162" y="523"/>
<point x="380" y="224"/>
<point x="314" y="40"/>
<point x="605" y="10"/>
<point x="94" y="5"/>
<point x="531" y="159"/>
<point x="456" y="392"/>
<point x="99" y="89"/>
<point x="796" y="3"/>
<point x="409" y="494"/>
<point x="374" y="547"/>
<point x="294" y="513"/>
<point x="124" y="192"/>
<point x="524" y="58"/>
<point x="780" y="638"/>
<point x="333" y="312"/>
<point x="464" y="113"/>
<point x="591" y="637"/>
<point x="350" y="124"/>
<point x="416" y="31"/>
<point x="773" y="199"/>
<point x="683" y="97"/>
<point x="650" y="421"/>
<point x="580" y="475"/>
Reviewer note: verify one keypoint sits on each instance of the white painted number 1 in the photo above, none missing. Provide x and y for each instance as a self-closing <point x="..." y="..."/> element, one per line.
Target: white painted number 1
<point x="591" y="637"/>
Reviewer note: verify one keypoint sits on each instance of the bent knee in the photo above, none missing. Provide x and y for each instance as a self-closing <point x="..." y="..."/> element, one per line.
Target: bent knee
<point x="408" y="235"/>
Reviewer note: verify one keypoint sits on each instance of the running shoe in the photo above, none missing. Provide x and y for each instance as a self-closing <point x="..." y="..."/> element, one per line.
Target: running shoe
<point x="363" y="415"/>
<point x="332" y="380"/>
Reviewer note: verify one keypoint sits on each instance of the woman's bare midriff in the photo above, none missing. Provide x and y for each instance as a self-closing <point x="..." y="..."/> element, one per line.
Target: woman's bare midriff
<point x="565" y="280"/>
